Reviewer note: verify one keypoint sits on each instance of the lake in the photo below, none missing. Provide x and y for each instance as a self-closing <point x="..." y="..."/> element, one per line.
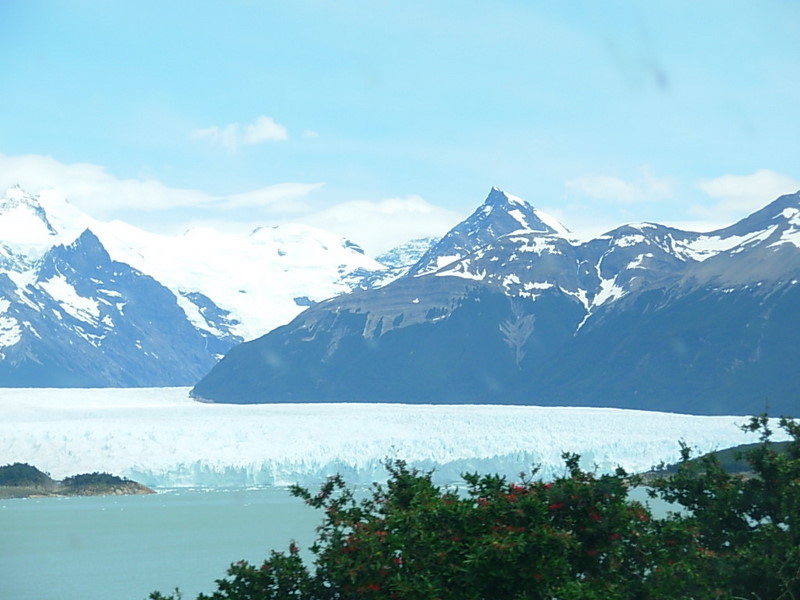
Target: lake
<point x="124" y="547"/>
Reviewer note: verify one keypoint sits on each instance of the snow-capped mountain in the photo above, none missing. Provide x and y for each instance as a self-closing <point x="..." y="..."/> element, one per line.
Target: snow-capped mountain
<point x="264" y="279"/>
<point x="88" y="303"/>
<point x="509" y="308"/>
<point x="499" y="215"/>
<point x="85" y="320"/>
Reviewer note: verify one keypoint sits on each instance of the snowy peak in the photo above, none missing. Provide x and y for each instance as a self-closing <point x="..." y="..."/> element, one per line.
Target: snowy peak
<point x="84" y="255"/>
<point x="301" y="243"/>
<point x="775" y="225"/>
<point x="503" y="213"/>
<point x="780" y="212"/>
<point x="526" y="216"/>
<point x="23" y="219"/>
<point x="500" y="214"/>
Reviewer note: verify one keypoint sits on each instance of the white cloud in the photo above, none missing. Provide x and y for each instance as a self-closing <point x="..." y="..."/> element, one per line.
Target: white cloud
<point x="603" y="187"/>
<point x="150" y="204"/>
<point x="234" y="135"/>
<point x="740" y="195"/>
<point x="264" y="129"/>
<point x="618" y="191"/>
<point x="379" y="226"/>
<point x="279" y="198"/>
<point x="92" y="189"/>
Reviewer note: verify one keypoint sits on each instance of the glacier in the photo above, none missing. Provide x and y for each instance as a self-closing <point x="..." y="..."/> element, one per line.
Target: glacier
<point x="163" y="438"/>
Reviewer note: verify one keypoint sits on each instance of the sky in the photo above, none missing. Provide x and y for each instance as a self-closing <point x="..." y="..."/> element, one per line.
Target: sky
<point x="385" y="121"/>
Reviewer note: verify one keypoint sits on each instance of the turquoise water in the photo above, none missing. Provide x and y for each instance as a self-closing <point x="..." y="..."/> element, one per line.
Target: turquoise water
<point x="123" y="548"/>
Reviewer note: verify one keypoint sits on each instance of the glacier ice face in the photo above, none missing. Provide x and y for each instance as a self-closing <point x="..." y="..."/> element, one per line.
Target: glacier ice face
<point x="163" y="438"/>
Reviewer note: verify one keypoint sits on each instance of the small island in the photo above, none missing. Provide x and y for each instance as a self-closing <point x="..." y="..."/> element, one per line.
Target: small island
<point x="21" y="480"/>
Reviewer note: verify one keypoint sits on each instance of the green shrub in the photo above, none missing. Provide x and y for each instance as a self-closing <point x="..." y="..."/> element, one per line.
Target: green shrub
<point x="92" y="480"/>
<point x="23" y="474"/>
<point x="578" y="537"/>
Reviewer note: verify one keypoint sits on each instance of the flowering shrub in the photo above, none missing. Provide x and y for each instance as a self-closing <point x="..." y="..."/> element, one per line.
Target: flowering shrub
<point x="578" y="537"/>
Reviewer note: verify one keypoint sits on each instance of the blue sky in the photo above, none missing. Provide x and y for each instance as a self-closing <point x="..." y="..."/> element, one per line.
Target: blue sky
<point x="400" y="116"/>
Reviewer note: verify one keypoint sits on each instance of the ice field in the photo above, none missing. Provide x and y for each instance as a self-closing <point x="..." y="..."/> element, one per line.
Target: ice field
<point x="163" y="438"/>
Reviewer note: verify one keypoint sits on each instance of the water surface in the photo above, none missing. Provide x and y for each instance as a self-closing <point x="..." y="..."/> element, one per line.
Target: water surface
<point x="124" y="547"/>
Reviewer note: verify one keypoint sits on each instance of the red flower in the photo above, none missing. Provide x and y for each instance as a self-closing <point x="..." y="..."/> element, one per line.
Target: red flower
<point x="556" y="505"/>
<point x="614" y="536"/>
<point x="594" y="516"/>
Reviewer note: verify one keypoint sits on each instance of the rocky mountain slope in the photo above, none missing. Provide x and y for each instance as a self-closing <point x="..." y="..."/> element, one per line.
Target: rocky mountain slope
<point x="508" y="308"/>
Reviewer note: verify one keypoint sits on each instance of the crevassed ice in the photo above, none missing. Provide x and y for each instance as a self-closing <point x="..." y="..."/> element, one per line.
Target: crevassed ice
<point x="161" y="437"/>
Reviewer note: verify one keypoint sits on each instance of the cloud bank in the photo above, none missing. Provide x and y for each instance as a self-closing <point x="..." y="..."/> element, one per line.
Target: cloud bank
<point x="648" y="188"/>
<point x="375" y="225"/>
<point x="95" y="191"/>
<point x="381" y="225"/>
<point x="740" y="195"/>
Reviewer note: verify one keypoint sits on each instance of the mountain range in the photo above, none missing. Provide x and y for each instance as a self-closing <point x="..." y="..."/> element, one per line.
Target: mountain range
<point x="508" y="307"/>
<point x="85" y="303"/>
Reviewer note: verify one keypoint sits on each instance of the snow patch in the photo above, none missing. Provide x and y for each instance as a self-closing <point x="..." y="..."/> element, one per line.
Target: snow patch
<point x="519" y="217"/>
<point x="609" y="291"/>
<point x="631" y="240"/>
<point x="551" y="222"/>
<point x="539" y="244"/>
<point x="538" y="286"/>
<point x="10" y="331"/>
<point x="462" y="270"/>
<point x="707" y="246"/>
<point x="638" y="262"/>
<point x="195" y="317"/>
<point x="75" y="305"/>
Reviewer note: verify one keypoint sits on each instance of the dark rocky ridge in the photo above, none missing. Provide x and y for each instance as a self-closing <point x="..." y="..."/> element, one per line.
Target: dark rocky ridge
<point x="633" y="319"/>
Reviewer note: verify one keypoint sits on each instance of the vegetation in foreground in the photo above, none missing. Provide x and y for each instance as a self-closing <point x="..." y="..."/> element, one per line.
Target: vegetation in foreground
<point x="21" y="480"/>
<point x="578" y="537"/>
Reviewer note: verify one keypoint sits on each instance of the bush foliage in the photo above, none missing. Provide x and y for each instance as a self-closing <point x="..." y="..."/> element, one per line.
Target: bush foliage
<point x="96" y="479"/>
<point x="23" y="474"/>
<point x="578" y="537"/>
